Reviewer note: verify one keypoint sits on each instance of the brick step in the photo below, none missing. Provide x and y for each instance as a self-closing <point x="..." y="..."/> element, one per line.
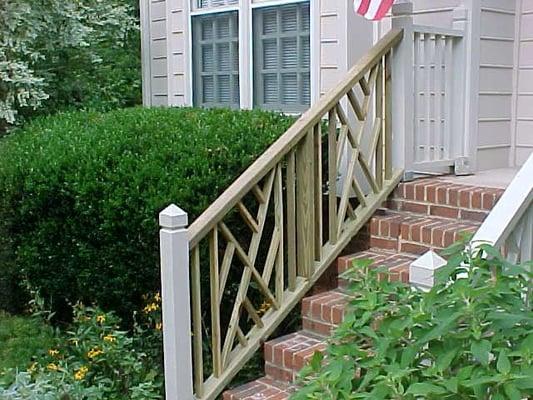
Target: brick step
<point x="287" y="355"/>
<point x="261" y="389"/>
<point x="438" y="197"/>
<point x="416" y="234"/>
<point x="323" y="312"/>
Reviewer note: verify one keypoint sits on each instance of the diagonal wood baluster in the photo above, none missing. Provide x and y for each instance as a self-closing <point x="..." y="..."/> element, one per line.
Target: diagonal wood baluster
<point x="345" y="196"/>
<point x="278" y="210"/>
<point x="271" y="256"/>
<point x="363" y="83"/>
<point x="368" y="174"/>
<point x="225" y="267"/>
<point x="252" y="312"/>
<point x="247" y="217"/>
<point x="359" y="113"/>
<point x="379" y="116"/>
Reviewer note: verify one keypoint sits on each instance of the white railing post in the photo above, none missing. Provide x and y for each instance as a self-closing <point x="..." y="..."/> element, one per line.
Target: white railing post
<point x="175" y="291"/>
<point x="460" y="112"/>
<point x="403" y="87"/>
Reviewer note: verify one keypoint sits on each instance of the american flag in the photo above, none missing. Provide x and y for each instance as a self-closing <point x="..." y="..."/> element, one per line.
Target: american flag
<point x="373" y="9"/>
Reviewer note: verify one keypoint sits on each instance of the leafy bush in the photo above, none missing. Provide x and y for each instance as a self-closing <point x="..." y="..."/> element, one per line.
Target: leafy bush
<point x="467" y="338"/>
<point x="92" y="360"/>
<point x="21" y="338"/>
<point x="80" y="194"/>
<point x="73" y="53"/>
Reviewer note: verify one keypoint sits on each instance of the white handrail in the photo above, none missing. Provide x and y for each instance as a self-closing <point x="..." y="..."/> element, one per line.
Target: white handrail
<point x="509" y="211"/>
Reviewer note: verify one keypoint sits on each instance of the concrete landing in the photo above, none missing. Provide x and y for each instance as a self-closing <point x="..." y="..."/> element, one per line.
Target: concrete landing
<point x="493" y="178"/>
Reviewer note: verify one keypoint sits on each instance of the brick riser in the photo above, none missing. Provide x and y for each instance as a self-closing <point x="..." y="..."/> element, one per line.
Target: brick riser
<point x="421" y="215"/>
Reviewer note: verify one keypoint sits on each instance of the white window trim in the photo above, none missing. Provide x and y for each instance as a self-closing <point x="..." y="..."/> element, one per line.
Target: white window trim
<point x="245" y="9"/>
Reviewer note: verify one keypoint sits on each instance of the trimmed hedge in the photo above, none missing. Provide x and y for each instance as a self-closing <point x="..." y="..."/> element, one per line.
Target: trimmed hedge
<point x="80" y="195"/>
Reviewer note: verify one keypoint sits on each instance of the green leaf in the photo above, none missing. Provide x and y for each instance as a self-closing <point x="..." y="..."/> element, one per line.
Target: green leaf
<point x="424" y="389"/>
<point x="512" y="392"/>
<point x="481" y="351"/>
<point x="452" y="384"/>
<point x="444" y="361"/>
<point x="316" y="361"/>
<point x="503" y="365"/>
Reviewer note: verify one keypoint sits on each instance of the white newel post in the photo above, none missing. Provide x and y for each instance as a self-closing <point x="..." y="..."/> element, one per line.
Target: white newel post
<point x="175" y="292"/>
<point x="403" y="87"/>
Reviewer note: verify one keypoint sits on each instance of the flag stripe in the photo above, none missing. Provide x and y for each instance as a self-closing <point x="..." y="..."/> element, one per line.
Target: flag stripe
<point x="373" y="9"/>
<point x="363" y="8"/>
<point x="383" y="9"/>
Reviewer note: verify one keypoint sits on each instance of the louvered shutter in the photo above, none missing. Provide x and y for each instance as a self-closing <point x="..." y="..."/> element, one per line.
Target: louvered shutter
<point x="282" y="57"/>
<point x="216" y="60"/>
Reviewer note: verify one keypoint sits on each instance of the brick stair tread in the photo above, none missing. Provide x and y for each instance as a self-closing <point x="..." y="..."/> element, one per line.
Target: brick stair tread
<point x="264" y="388"/>
<point x="323" y="312"/>
<point x="287" y="355"/>
<point x="413" y="233"/>
<point x="439" y="197"/>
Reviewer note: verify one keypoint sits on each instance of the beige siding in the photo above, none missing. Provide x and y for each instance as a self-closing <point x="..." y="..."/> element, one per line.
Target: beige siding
<point x="178" y="39"/>
<point x="496" y="68"/>
<point x="158" y="53"/>
<point x="524" y="98"/>
<point x="333" y="53"/>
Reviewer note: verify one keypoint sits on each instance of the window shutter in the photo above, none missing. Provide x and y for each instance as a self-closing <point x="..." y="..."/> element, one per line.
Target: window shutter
<point x="216" y="60"/>
<point x="282" y="57"/>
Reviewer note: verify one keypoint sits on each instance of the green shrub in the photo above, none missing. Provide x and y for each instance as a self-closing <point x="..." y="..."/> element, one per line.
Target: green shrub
<point x="467" y="338"/>
<point x="20" y="339"/>
<point x="80" y="194"/>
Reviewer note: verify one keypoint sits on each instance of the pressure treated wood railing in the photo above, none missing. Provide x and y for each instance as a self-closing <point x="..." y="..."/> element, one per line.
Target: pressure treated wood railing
<point x="268" y="238"/>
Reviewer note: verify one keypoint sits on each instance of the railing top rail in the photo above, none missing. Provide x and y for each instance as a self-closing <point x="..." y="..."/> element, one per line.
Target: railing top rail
<point x="244" y="183"/>
<point x="507" y="213"/>
<point x="459" y="33"/>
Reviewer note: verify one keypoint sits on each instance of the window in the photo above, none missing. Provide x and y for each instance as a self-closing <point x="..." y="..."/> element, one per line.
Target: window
<point x="215" y="3"/>
<point x="216" y="60"/>
<point x="281" y="44"/>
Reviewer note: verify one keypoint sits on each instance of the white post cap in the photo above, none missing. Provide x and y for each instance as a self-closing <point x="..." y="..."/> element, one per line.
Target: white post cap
<point x="173" y="217"/>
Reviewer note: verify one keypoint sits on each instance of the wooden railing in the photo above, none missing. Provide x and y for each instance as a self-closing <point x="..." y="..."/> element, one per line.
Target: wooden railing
<point x="268" y="238"/>
<point x="509" y="226"/>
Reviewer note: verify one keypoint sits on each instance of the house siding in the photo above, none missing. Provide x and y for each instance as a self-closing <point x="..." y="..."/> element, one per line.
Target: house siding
<point x="154" y="27"/>
<point x="496" y="69"/>
<point x="524" y="94"/>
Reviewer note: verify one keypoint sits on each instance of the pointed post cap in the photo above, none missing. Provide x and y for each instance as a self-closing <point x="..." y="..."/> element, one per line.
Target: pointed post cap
<point x="430" y="260"/>
<point x="173" y="217"/>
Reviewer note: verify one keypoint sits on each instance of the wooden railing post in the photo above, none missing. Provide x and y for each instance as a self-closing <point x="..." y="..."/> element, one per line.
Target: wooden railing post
<point x="403" y="87"/>
<point x="175" y="291"/>
<point x="460" y="112"/>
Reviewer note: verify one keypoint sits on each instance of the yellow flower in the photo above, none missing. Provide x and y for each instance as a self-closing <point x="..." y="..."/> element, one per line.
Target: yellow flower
<point x="32" y="367"/>
<point x="94" y="352"/>
<point x="52" y="367"/>
<point x="151" y="307"/>
<point x="157" y="297"/>
<point x="53" y="352"/>
<point x="158" y="326"/>
<point x="100" y="319"/>
<point x="110" y="339"/>
<point x="263" y="308"/>
<point x="80" y="374"/>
